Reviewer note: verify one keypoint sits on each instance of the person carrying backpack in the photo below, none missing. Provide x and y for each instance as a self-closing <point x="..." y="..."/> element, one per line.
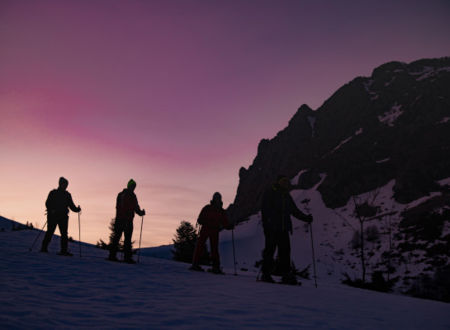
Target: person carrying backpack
<point x="212" y="218"/>
<point x="58" y="203"/>
<point x="126" y="206"/>
<point x="276" y="210"/>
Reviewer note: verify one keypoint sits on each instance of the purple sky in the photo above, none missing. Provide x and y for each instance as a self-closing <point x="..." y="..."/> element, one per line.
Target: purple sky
<point x="176" y="94"/>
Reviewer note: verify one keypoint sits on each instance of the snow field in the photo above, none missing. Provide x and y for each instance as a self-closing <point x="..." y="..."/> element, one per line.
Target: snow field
<point x="49" y="291"/>
<point x="333" y="231"/>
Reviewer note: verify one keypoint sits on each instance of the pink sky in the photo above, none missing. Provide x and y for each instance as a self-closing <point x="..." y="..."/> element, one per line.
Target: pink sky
<point x="175" y="94"/>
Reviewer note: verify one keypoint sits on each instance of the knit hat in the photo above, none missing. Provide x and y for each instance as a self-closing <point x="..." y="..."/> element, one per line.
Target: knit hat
<point x="131" y="183"/>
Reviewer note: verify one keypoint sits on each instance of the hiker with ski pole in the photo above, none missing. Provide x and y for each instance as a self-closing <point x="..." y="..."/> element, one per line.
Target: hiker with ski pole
<point x="140" y="239"/>
<point x="306" y="202"/>
<point x="277" y="208"/>
<point x="126" y="206"/>
<point x="37" y="236"/>
<point x="212" y="218"/>
<point x="58" y="203"/>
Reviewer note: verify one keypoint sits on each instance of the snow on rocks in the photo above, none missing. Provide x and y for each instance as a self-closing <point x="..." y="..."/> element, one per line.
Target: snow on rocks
<point x="295" y="179"/>
<point x="444" y="120"/>
<point x="312" y="123"/>
<point x="423" y="199"/>
<point x="429" y="72"/>
<point x="341" y="144"/>
<point x="444" y="182"/>
<point x="367" y="86"/>
<point x="389" y="82"/>
<point x="381" y="161"/>
<point x="358" y="132"/>
<point x="425" y="73"/>
<point x="391" y="116"/>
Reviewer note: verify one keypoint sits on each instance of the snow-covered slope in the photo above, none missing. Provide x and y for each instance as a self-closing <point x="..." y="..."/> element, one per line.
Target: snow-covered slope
<point x="333" y="231"/>
<point x="48" y="291"/>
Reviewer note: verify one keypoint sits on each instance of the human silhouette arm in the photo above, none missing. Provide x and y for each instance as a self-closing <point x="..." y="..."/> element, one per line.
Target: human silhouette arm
<point x="138" y="209"/>
<point x="295" y="211"/>
<point x="72" y="206"/>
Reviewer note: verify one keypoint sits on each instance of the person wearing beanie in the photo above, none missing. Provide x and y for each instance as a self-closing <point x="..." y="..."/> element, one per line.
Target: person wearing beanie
<point x="58" y="203"/>
<point x="126" y="206"/>
<point x="212" y="218"/>
<point x="276" y="210"/>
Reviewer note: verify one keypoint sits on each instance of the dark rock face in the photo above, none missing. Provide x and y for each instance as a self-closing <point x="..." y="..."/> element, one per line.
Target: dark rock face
<point x="392" y="125"/>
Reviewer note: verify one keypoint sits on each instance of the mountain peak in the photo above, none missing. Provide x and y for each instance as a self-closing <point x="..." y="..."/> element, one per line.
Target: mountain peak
<point x="304" y="107"/>
<point x="301" y="113"/>
<point x="387" y="69"/>
<point x="391" y="126"/>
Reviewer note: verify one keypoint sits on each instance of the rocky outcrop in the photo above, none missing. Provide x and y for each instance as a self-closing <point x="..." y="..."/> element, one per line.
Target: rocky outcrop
<point x="392" y="125"/>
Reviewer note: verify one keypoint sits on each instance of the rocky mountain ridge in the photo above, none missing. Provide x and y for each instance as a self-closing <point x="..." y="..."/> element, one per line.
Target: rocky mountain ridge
<point x="393" y="125"/>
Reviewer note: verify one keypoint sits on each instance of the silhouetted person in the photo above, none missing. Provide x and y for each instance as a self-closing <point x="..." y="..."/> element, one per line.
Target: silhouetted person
<point x="212" y="218"/>
<point x="277" y="208"/>
<point x="58" y="203"/>
<point x="126" y="205"/>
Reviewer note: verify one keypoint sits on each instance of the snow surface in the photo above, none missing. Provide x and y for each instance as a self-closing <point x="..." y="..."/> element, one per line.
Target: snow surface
<point x="333" y="231"/>
<point x="49" y="291"/>
<point x="295" y="179"/>
<point x="423" y="199"/>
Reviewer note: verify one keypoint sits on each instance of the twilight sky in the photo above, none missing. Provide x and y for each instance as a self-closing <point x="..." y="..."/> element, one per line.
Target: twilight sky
<point x="175" y="94"/>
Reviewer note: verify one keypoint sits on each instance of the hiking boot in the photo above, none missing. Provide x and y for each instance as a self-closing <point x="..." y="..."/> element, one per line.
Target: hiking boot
<point x="196" y="268"/>
<point x="267" y="278"/>
<point x="217" y="270"/>
<point x="289" y="279"/>
<point x="129" y="261"/>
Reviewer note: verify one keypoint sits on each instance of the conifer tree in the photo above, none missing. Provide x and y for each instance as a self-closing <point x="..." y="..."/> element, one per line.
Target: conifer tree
<point x="184" y="242"/>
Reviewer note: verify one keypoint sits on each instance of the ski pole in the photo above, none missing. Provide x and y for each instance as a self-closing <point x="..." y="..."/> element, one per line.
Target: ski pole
<point x="79" y="231"/>
<point x="140" y="239"/>
<point x="313" y="257"/>
<point x="234" y="254"/>
<point x="38" y="235"/>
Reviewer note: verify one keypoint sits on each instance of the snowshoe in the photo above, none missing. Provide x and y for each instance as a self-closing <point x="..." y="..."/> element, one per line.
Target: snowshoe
<point x="290" y="279"/>
<point x="215" y="270"/>
<point x="65" y="254"/>
<point x="196" y="268"/>
<point x="267" y="279"/>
